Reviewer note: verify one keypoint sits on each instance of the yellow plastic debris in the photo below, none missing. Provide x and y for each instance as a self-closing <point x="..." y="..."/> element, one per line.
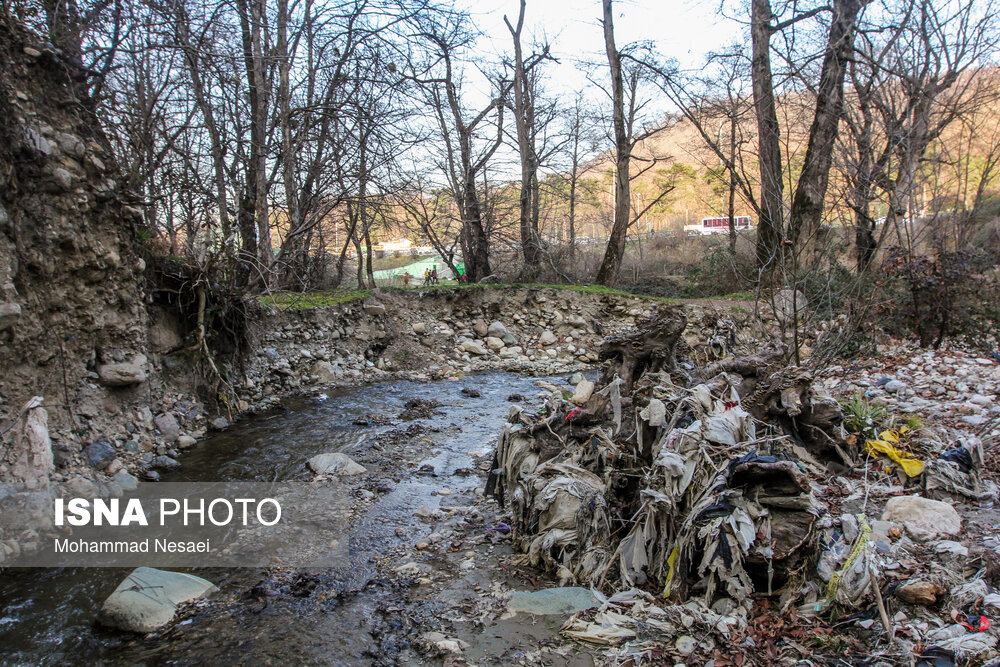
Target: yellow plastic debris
<point x="886" y="444"/>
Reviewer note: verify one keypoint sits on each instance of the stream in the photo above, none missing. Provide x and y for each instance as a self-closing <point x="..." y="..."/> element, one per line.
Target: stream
<point x="351" y="616"/>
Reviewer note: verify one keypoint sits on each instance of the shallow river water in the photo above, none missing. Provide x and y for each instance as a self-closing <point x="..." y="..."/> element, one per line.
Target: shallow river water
<point x="346" y="617"/>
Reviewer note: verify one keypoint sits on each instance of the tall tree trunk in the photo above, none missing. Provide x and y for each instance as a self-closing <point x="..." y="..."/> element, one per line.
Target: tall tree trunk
<point x="732" y="182"/>
<point x="524" y="124"/>
<point x="807" y="203"/>
<point x="251" y="24"/>
<point x="607" y="274"/>
<point x="771" y="223"/>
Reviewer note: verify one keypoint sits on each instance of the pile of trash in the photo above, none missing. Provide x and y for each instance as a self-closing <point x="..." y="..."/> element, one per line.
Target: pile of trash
<point x="693" y="494"/>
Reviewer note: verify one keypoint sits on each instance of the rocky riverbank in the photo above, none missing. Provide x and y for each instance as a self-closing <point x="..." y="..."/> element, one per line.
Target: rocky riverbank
<point x="128" y="420"/>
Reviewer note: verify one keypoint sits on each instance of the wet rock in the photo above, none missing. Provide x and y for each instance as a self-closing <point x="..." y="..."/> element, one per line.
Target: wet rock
<point x="148" y="599"/>
<point x="335" y="463"/>
<point x="99" y="454"/>
<point x="923" y="518"/>
<point x="151" y="476"/>
<point x="549" y="601"/>
<point x="471" y="393"/>
<point x="121" y="375"/>
<point x="515" y="398"/>
<point x="126" y="481"/>
<point x="219" y="423"/>
<point x="165" y="463"/>
<point x="168" y="426"/>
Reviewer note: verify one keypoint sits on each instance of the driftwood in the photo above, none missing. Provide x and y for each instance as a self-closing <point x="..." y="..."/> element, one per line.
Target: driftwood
<point x="649" y="347"/>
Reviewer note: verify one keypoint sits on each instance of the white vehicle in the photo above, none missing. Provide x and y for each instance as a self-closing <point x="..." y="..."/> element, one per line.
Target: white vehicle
<point x="718" y="225"/>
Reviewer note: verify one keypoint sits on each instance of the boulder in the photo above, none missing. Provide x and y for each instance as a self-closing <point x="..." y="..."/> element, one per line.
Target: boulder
<point x="494" y="343"/>
<point x="923" y="518"/>
<point x="168" y="426"/>
<point x="121" y="375"/>
<point x="919" y="592"/>
<point x="335" y="463"/>
<point x="496" y="329"/>
<point x="125" y="480"/>
<point x="99" y="454"/>
<point x="33" y="459"/>
<point x="165" y="463"/>
<point x="548" y="338"/>
<point x="584" y="390"/>
<point x="148" y="599"/>
<point x="374" y="309"/>
<point x="480" y="328"/>
<point x="472" y="347"/>
<point x="324" y="371"/>
<point x="787" y="302"/>
<point x="9" y="313"/>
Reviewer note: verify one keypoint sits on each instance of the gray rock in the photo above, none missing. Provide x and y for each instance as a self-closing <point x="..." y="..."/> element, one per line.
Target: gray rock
<point x="494" y="343"/>
<point x="62" y="178"/>
<point x="99" y="454"/>
<point x="325" y="372"/>
<point x="923" y="518"/>
<point x="165" y="463"/>
<point x="335" y="463"/>
<point x="893" y="386"/>
<point x="10" y="312"/>
<point x="551" y="601"/>
<point x="219" y="423"/>
<point x="496" y="329"/>
<point x="126" y="481"/>
<point x="472" y="347"/>
<point x="184" y="441"/>
<point x="787" y="302"/>
<point x="419" y="328"/>
<point x="548" y="338"/>
<point x="121" y="375"/>
<point x="148" y="599"/>
<point x="168" y="426"/>
<point x="508" y="339"/>
<point x="374" y="309"/>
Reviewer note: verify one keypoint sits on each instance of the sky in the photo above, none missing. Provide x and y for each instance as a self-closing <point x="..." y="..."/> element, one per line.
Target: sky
<point x="684" y="30"/>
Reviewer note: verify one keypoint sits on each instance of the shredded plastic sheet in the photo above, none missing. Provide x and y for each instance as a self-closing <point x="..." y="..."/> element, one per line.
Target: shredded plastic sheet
<point x="710" y="515"/>
<point x="886" y="445"/>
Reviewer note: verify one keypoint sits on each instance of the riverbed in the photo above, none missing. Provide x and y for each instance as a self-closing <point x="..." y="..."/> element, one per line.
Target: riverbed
<point x="362" y="614"/>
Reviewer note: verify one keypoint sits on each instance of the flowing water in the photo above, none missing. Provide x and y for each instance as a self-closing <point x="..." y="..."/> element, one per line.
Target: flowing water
<point x="350" y="616"/>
